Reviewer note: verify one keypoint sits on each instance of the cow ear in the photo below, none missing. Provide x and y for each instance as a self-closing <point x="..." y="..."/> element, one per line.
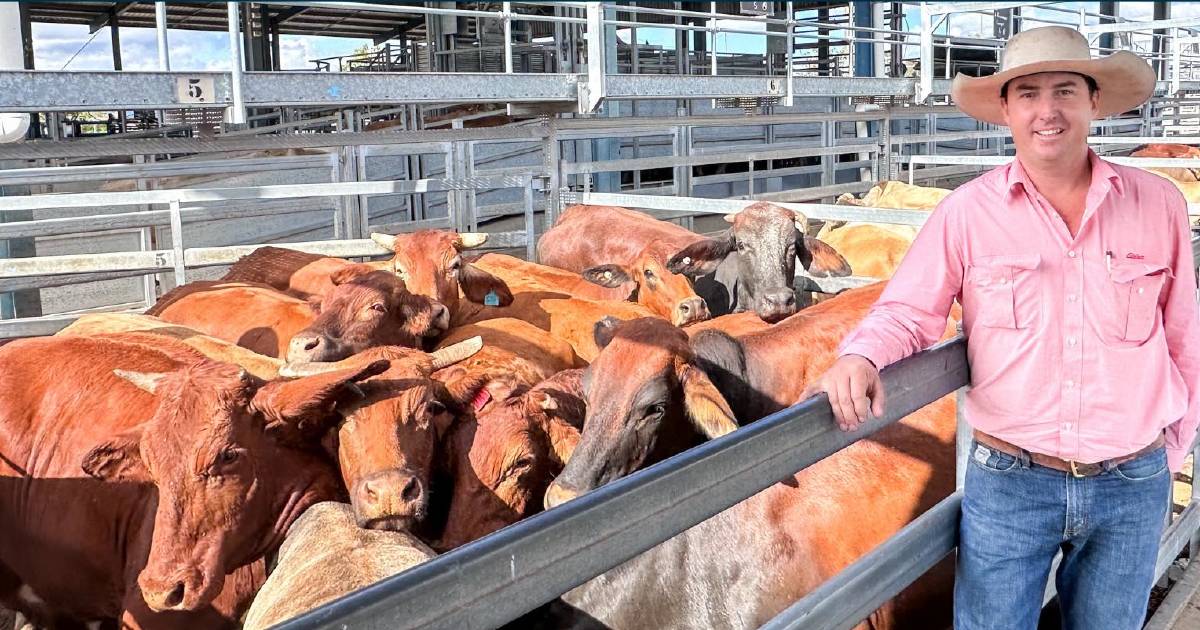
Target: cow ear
<point x="478" y="284"/>
<point x="608" y="276"/>
<point x="349" y="273"/>
<point x="821" y="259"/>
<point x="705" y="406"/>
<point x="603" y="331"/>
<point x="145" y="381"/>
<point x="117" y="459"/>
<point x="702" y="257"/>
<point x="563" y="439"/>
<point x="305" y="407"/>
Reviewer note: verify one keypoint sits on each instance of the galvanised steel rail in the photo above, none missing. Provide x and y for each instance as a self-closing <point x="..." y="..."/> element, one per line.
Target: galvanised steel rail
<point x="504" y="575"/>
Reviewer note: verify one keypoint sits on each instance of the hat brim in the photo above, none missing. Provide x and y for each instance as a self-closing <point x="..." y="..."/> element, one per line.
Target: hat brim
<point x="1125" y="81"/>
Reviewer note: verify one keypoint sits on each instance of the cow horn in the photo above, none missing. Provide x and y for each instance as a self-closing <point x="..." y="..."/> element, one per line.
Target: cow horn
<point x="731" y="217"/>
<point x="145" y="381"/>
<point x="454" y="353"/>
<point x="386" y="240"/>
<point x="470" y="240"/>
<point x="300" y="369"/>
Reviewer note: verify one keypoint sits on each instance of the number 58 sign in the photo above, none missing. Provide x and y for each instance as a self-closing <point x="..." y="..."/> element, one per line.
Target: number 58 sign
<point x="757" y="8"/>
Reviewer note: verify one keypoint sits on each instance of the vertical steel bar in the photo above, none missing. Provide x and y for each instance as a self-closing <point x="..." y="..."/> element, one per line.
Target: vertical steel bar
<point x="790" y="45"/>
<point x="238" y="114"/>
<point x="160" y="28"/>
<point x="530" y="226"/>
<point x="508" y="53"/>
<point x="177" y="244"/>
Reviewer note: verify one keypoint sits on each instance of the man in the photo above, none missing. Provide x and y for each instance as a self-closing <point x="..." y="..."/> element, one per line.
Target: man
<point x="1078" y="293"/>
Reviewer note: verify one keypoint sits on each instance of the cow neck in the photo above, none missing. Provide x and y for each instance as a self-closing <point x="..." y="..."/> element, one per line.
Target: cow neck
<point x="299" y="481"/>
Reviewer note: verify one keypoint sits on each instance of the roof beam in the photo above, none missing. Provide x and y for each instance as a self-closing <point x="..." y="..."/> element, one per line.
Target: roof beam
<point x="100" y="21"/>
<point x="288" y="14"/>
<point x="402" y="28"/>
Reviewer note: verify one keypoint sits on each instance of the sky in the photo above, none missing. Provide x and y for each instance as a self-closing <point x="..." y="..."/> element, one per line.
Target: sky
<point x="56" y="44"/>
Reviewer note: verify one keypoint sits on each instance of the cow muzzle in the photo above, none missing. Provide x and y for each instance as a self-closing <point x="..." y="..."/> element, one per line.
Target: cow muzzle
<point x="776" y="304"/>
<point x="308" y="347"/>
<point x="558" y="494"/>
<point x="389" y="500"/>
<point x="178" y="592"/>
<point x="690" y="311"/>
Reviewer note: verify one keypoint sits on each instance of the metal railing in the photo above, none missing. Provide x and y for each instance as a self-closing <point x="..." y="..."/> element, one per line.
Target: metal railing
<point x="179" y="258"/>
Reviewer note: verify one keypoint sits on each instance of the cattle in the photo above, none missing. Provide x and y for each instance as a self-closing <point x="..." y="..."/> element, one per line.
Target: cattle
<point x="645" y="281"/>
<point x="874" y="250"/>
<point x="502" y="461"/>
<point x="164" y="472"/>
<point x="1171" y="151"/>
<point x="567" y="318"/>
<point x="325" y="556"/>
<point x="748" y="267"/>
<point x="516" y="355"/>
<point x="429" y="262"/>
<point x="636" y="393"/>
<point x="364" y="308"/>
<point x="386" y="442"/>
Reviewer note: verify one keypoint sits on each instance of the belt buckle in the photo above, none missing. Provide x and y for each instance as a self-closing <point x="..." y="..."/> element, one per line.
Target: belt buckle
<point x="1074" y="470"/>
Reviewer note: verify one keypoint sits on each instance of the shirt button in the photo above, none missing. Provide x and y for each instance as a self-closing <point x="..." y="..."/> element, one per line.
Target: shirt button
<point x="1067" y="426"/>
<point x="1071" y="297"/>
<point x="1071" y="253"/>
<point x="1070" y="341"/>
<point x="1069" y="384"/>
<point x="1141" y="289"/>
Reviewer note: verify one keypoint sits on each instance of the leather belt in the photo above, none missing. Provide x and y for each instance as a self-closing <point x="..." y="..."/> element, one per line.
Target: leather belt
<point x="1077" y="469"/>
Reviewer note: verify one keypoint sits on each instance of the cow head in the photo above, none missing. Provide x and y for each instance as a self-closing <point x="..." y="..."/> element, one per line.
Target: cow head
<point x="366" y="308"/>
<point x="646" y="400"/>
<point x="502" y="461"/>
<point x="219" y="448"/>
<point x="669" y="295"/>
<point x="430" y="263"/>
<point x="767" y="240"/>
<point x="388" y="444"/>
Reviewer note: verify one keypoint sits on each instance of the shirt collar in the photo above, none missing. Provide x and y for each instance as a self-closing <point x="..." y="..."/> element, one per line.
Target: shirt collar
<point x="1101" y="170"/>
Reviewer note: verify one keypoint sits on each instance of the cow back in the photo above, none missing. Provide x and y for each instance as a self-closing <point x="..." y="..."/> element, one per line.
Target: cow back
<point x="587" y="236"/>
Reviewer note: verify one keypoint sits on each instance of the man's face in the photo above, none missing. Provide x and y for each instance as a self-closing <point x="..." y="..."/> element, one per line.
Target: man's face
<point x="1050" y="115"/>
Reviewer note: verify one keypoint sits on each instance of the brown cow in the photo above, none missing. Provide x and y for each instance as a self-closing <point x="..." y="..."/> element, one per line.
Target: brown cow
<point x="516" y="355"/>
<point x="386" y="444"/>
<point x="364" y="308"/>
<point x="667" y="294"/>
<point x="430" y="263"/>
<point x="524" y="276"/>
<point x="634" y="386"/>
<point x="502" y="461"/>
<point x="751" y="266"/>
<point x="758" y="374"/>
<point x="156" y="497"/>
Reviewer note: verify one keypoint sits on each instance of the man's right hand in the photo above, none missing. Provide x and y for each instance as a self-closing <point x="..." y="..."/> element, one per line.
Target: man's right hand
<point x="853" y="386"/>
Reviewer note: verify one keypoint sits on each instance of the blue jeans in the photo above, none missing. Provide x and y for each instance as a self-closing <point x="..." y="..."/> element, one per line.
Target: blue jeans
<point x="1016" y="515"/>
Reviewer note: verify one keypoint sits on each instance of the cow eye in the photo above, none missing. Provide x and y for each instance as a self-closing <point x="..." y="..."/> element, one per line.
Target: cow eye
<point x="455" y="265"/>
<point x="655" y="410"/>
<point x="648" y="273"/>
<point x="521" y="466"/>
<point x="741" y="247"/>
<point x="378" y="307"/>
<point x="226" y="458"/>
<point x="435" y="408"/>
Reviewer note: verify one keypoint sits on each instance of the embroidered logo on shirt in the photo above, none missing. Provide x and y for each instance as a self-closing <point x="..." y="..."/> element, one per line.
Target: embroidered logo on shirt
<point x="1135" y="256"/>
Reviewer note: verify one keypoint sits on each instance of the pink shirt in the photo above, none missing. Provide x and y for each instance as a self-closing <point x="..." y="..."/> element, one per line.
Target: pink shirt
<point x="1082" y="347"/>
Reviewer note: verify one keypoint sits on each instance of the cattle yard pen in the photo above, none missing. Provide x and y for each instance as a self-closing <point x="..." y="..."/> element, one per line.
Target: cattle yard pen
<point x="683" y="134"/>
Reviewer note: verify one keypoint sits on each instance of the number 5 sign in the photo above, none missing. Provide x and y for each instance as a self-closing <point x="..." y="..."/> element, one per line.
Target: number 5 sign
<point x="757" y="8"/>
<point x="194" y="89"/>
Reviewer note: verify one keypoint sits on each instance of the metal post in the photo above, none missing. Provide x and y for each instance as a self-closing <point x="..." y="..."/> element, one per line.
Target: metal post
<point x="237" y="115"/>
<point x="160" y="29"/>
<point x="864" y="53"/>
<point x="530" y="227"/>
<point x="508" y="56"/>
<point x="115" y="34"/>
<point x="712" y="30"/>
<point x="552" y="163"/>
<point x="177" y="243"/>
<point x="925" y="84"/>
<point x="790" y="46"/>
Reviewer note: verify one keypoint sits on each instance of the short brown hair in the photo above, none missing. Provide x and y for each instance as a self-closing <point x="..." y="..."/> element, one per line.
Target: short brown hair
<point x="1091" y="83"/>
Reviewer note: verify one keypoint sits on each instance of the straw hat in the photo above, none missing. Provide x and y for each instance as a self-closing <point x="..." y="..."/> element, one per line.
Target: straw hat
<point x="1125" y="80"/>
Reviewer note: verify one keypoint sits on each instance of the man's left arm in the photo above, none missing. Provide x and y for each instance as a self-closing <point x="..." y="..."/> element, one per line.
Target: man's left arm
<point x="1181" y="323"/>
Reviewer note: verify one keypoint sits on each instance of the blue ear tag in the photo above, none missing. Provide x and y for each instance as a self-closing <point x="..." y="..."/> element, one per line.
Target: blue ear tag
<point x="491" y="299"/>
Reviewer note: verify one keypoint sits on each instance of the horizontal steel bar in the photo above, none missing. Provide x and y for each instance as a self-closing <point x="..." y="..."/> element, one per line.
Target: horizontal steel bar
<point x="494" y="580"/>
<point x="663" y="86"/>
<point x="805" y="283"/>
<point x="577" y="168"/>
<point x="725" y="206"/>
<point x="283" y="191"/>
<point x="49" y="90"/>
<point x="849" y="597"/>
<point x="1177" y="536"/>
<point x="151" y="170"/>
<point x="997" y="160"/>
<point x="1179" y="600"/>
<point x="36" y="326"/>
<point x="1125" y="27"/>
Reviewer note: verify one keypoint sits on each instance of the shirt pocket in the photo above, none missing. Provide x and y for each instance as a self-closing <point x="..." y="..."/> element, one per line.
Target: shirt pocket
<point x="1006" y="291"/>
<point x="1136" y="287"/>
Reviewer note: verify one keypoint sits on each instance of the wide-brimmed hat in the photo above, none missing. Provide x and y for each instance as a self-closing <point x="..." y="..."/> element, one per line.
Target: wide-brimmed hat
<point x="1125" y="80"/>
